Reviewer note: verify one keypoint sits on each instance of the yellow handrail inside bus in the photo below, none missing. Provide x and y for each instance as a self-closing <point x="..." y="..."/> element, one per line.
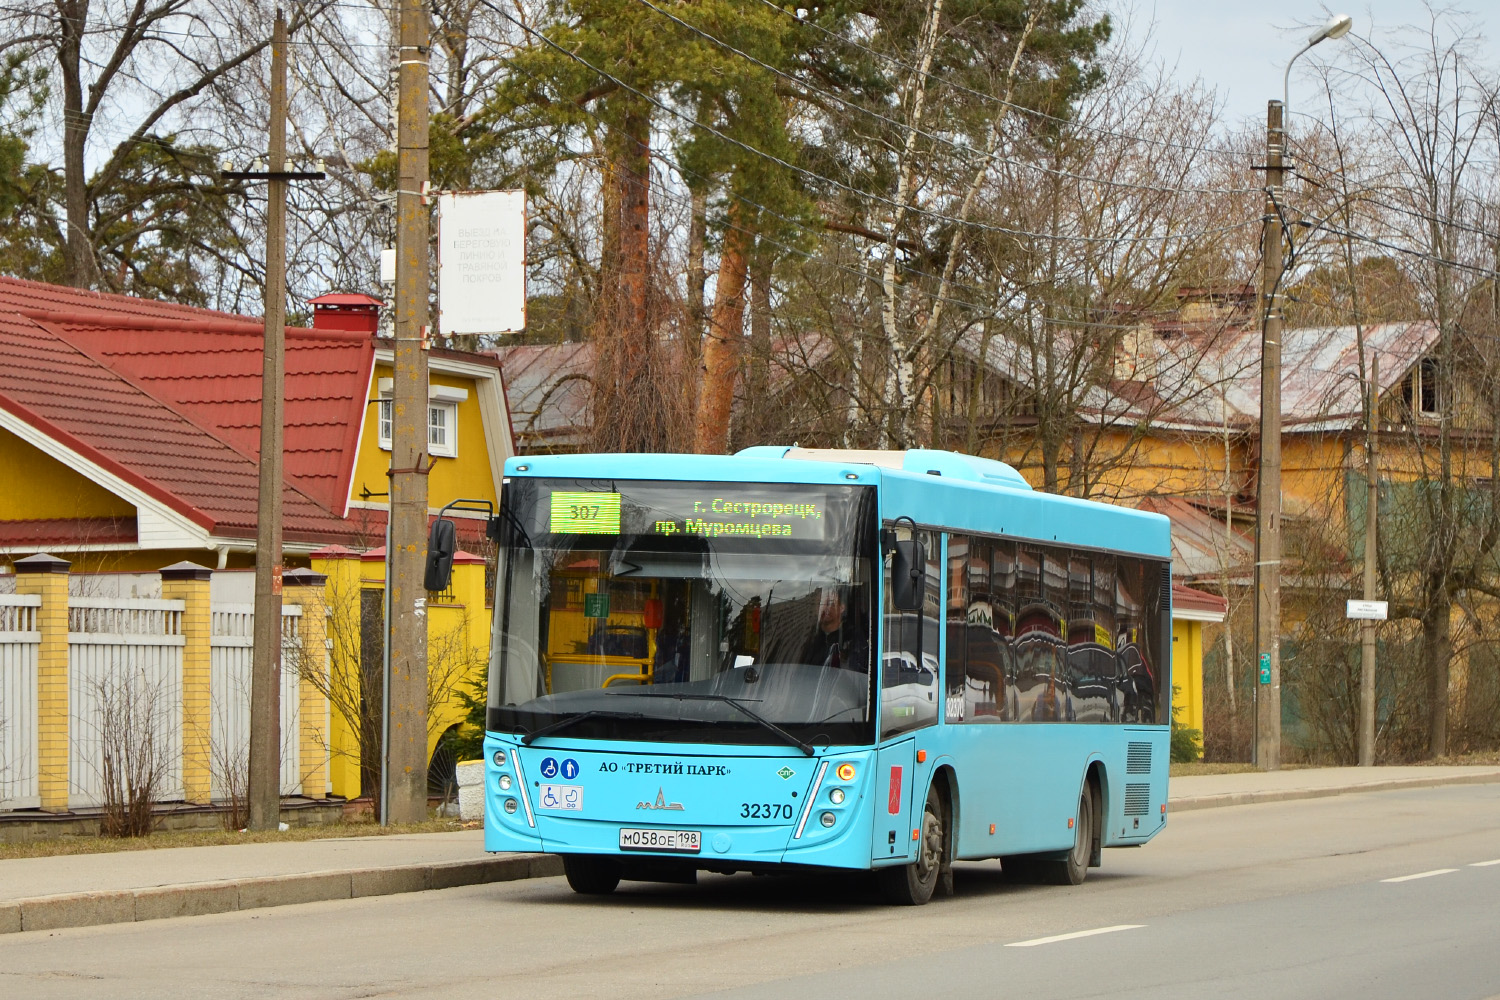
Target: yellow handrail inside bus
<point x="644" y="677"/>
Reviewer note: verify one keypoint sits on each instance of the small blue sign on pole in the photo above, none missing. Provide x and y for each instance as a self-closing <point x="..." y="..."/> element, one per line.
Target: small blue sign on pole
<point x="1265" y="668"/>
<point x="549" y="767"/>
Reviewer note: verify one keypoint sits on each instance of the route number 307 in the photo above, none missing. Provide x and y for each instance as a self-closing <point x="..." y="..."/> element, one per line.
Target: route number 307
<point x="584" y="511"/>
<point x="765" y="810"/>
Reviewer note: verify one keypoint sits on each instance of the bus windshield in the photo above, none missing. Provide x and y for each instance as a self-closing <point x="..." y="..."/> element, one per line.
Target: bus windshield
<point x="688" y="612"/>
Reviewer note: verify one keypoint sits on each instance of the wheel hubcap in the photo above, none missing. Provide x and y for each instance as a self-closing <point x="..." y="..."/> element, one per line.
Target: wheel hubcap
<point x="932" y="844"/>
<point x="1082" y="836"/>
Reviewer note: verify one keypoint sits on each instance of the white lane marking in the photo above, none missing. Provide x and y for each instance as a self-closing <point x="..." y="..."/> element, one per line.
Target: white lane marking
<point x="1485" y="864"/>
<point x="1408" y="878"/>
<point x="1076" y="934"/>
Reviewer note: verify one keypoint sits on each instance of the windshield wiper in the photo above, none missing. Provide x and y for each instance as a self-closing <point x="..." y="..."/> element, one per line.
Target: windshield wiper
<point x="564" y="723"/>
<point x="766" y="723"/>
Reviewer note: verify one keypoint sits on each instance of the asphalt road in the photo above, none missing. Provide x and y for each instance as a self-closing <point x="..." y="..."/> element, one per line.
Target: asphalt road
<point x="1362" y="896"/>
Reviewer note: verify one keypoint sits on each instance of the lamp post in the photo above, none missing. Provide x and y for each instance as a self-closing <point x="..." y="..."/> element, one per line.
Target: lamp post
<point x="1268" y="493"/>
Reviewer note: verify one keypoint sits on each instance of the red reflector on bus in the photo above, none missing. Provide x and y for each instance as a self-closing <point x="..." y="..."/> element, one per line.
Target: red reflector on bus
<point x="894" y="806"/>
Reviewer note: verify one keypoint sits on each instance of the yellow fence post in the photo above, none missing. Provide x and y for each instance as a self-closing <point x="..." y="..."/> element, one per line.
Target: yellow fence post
<point x="47" y="577"/>
<point x="305" y="587"/>
<point x="189" y="583"/>
<point x="340" y="568"/>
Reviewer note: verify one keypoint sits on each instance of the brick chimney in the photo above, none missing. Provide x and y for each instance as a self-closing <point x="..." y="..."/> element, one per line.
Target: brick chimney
<point x="350" y="313"/>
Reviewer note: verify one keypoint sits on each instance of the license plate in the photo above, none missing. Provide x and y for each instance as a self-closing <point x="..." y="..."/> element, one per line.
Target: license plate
<point x="671" y="841"/>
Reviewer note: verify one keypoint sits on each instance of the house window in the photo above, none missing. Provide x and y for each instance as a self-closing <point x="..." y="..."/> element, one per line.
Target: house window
<point x="442" y="428"/>
<point x="1419" y="390"/>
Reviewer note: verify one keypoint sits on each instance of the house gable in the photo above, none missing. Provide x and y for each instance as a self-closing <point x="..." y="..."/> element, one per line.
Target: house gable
<point x="38" y="486"/>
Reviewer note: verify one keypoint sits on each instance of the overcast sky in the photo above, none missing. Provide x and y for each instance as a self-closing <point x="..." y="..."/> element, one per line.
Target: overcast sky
<point x="1241" y="48"/>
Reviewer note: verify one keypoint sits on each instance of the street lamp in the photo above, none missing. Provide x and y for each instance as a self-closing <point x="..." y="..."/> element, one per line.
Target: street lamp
<point x="1268" y="493"/>
<point x="1337" y="27"/>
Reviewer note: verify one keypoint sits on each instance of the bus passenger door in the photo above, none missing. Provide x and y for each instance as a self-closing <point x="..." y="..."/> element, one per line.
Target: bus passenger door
<point x="911" y="696"/>
<point x="894" y="765"/>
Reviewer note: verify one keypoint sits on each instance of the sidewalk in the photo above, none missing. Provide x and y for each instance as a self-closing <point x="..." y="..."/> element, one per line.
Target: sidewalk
<point x="1210" y="791"/>
<point x="124" y="886"/>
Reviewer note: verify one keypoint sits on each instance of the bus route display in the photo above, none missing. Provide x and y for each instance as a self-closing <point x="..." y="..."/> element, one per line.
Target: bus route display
<point x="718" y="511"/>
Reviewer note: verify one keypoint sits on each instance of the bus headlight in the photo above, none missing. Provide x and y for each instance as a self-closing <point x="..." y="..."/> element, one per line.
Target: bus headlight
<point x="845" y="772"/>
<point x="499" y="758"/>
<point x="510" y="806"/>
<point x="505" y="782"/>
<point x="836" y="796"/>
<point x="828" y="819"/>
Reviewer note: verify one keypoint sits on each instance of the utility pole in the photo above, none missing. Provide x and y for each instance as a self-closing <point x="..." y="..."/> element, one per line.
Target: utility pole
<point x="1268" y="495"/>
<point x="1367" y="627"/>
<point x="405" y="782"/>
<point x="264" y="787"/>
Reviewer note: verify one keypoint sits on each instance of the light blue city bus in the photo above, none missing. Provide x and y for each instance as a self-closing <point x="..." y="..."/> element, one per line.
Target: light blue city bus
<point x="798" y="660"/>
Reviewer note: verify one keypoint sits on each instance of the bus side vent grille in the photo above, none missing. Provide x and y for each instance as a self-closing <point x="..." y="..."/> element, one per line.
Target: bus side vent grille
<point x="1137" y="800"/>
<point x="1138" y="758"/>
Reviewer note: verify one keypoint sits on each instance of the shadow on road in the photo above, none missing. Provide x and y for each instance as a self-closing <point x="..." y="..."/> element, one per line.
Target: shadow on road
<point x="815" y="893"/>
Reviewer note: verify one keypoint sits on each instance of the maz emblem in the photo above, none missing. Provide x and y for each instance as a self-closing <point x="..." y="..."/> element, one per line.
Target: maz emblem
<point x="660" y="803"/>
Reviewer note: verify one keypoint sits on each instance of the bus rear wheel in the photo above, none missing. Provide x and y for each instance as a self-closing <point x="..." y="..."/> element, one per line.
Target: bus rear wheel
<point x="589" y="875"/>
<point x="1071" y="868"/>
<point x="913" y="884"/>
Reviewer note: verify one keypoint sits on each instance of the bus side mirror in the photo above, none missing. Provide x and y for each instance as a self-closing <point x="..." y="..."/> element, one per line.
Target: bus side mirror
<point x="908" y="567"/>
<point x="442" y="542"/>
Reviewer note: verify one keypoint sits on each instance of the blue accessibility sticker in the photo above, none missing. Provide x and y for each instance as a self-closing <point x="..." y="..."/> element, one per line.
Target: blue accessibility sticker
<point x="570" y="768"/>
<point x="549" y="767"/>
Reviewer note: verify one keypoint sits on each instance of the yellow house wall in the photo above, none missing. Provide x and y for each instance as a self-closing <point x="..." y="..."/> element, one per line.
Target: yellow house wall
<point x="457" y="647"/>
<point x="468" y="475"/>
<point x="1187" y="673"/>
<point x="39" y="486"/>
<point x="1167" y="462"/>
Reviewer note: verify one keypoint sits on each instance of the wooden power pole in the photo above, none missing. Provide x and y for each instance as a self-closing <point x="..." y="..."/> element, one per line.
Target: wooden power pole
<point x="406" y="700"/>
<point x="1268" y="495"/>
<point x="1367" y="627"/>
<point x="264" y="788"/>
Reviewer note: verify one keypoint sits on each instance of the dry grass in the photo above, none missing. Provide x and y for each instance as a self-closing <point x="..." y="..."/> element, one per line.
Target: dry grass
<point x="1199" y="767"/>
<point x="1478" y="757"/>
<point x="216" y="838"/>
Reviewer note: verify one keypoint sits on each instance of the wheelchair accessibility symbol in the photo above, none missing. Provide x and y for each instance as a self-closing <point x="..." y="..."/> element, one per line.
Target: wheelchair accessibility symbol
<point x="566" y="798"/>
<point x="549" y="767"/>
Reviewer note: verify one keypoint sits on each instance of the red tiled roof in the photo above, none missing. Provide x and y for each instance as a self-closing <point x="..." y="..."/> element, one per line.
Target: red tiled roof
<point x="212" y="376"/>
<point x="167" y="397"/>
<point x="40" y="533"/>
<point x="1197" y="600"/>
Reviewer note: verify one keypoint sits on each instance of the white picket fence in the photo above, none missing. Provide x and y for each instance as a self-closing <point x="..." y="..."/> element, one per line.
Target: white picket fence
<point x="125" y="663"/>
<point x="232" y="638"/>
<point x="124" y="692"/>
<point x="19" y="640"/>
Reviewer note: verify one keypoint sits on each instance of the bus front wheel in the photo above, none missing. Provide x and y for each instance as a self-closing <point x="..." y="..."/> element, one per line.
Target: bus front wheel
<point x="591" y="876"/>
<point x="913" y="884"/>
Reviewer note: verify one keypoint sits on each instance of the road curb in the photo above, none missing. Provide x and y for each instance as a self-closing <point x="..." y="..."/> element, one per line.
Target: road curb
<point x="88" y="909"/>
<point x="1293" y="794"/>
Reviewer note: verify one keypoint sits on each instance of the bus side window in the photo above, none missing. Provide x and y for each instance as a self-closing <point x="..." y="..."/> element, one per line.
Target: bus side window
<point x="959" y="597"/>
<point x="909" y="690"/>
<point x="1133" y="649"/>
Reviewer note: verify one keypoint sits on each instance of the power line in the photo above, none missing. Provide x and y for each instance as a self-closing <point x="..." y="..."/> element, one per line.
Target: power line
<point x="974" y="307"/>
<point x="960" y="148"/>
<point x="1408" y="251"/>
<point x="1415" y="213"/>
<point x="771" y="157"/>
<point x="892" y="60"/>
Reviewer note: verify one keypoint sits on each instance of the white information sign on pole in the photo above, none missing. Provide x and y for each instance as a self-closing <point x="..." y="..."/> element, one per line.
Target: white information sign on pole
<point x="1368" y="610"/>
<point x="482" y="261"/>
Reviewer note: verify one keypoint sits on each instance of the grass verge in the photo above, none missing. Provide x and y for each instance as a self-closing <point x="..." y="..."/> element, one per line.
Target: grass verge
<point x="63" y="846"/>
